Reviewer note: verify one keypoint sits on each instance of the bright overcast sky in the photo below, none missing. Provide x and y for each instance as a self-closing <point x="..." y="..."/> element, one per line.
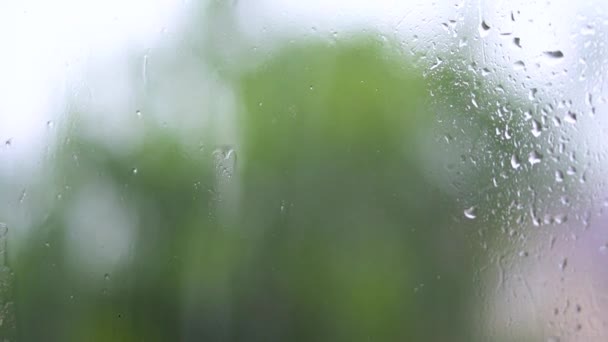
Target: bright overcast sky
<point x="46" y="44"/>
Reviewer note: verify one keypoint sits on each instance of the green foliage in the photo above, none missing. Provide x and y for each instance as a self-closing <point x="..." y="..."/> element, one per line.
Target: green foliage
<point x="337" y="235"/>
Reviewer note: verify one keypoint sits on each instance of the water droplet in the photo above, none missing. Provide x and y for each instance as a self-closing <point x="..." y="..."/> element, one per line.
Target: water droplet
<point x="106" y="276"/>
<point x="50" y="124"/>
<point x="438" y="62"/>
<point x="8" y="142"/>
<point x="517" y="42"/>
<point x="570" y="117"/>
<point x="534" y="158"/>
<point x="470" y="213"/>
<point x="588" y="30"/>
<point x="515" y="163"/>
<point x="554" y="54"/>
<point x="523" y="253"/>
<point x="474" y="103"/>
<point x="571" y="171"/>
<point x="559" y="176"/>
<point x="134" y="171"/>
<point x="225" y="161"/>
<point x="138" y="113"/>
<point x="561" y="218"/>
<point x="563" y="264"/>
<point x="484" y="29"/>
<point x="519" y="65"/>
<point x="536" y="128"/>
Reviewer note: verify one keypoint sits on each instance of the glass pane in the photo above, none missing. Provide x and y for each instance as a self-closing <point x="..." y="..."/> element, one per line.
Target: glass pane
<point x="308" y="171"/>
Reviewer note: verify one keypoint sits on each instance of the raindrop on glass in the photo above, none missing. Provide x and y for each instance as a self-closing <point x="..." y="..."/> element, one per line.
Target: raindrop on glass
<point x="534" y="157"/>
<point x="517" y="42"/>
<point x="562" y="265"/>
<point x="515" y="163"/>
<point x="536" y="128"/>
<point x="559" y="176"/>
<point x="470" y="213"/>
<point x="554" y="54"/>
<point x="484" y="29"/>
<point x="570" y="117"/>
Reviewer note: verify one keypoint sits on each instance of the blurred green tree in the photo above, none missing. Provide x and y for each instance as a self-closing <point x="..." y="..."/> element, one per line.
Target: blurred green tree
<point x="338" y="234"/>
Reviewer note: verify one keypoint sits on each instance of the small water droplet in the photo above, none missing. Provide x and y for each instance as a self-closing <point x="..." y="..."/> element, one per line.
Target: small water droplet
<point x="470" y="213"/>
<point x="225" y="161"/>
<point x="519" y="65"/>
<point x="474" y="103"/>
<point x="438" y="62"/>
<point x="571" y="171"/>
<point x="138" y="113"/>
<point x="517" y="42"/>
<point x="559" y="176"/>
<point x="563" y="264"/>
<point x="515" y="163"/>
<point x="556" y="54"/>
<point x="561" y="218"/>
<point x="534" y="158"/>
<point x="570" y="117"/>
<point x="536" y="128"/>
<point x="588" y="30"/>
<point x="523" y="253"/>
<point x="8" y="142"/>
<point x="106" y="276"/>
<point x="484" y="29"/>
<point x="134" y="171"/>
<point x="50" y="124"/>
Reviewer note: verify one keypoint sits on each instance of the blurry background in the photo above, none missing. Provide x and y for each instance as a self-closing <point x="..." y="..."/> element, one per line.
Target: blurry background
<point x="315" y="171"/>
